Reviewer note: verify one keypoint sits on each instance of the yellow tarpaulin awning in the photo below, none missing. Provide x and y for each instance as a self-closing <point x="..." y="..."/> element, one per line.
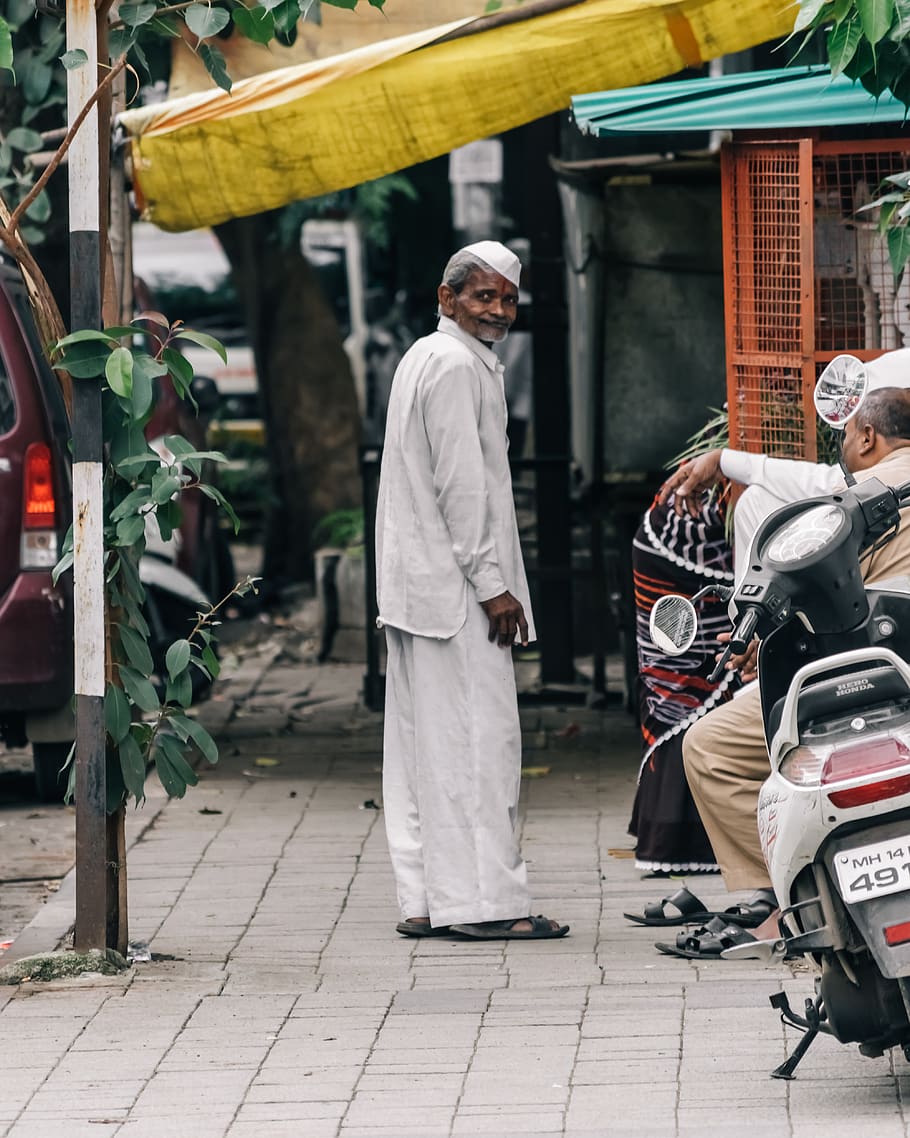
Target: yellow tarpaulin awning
<point x="310" y="129"/>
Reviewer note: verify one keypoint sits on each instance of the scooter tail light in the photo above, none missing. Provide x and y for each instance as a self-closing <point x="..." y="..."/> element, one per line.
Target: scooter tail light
<point x="868" y="792"/>
<point x="803" y="766"/>
<point x="872" y="760"/>
<point x="38" y="548"/>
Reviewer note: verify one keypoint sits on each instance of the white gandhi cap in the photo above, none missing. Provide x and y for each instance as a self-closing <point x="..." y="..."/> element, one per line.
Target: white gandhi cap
<point x="498" y="257"/>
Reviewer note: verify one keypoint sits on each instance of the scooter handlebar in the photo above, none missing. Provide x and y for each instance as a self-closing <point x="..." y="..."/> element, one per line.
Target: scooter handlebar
<point x="739" y="642"/>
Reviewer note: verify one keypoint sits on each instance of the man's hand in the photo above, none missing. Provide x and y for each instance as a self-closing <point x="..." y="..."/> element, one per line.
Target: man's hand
<point x="690" y="481"/>
<point x="506" y="617"/>
<point x="746" y="664"/>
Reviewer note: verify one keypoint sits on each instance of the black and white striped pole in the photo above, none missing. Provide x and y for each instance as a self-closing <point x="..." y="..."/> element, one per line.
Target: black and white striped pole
<point x="88" y="532"/>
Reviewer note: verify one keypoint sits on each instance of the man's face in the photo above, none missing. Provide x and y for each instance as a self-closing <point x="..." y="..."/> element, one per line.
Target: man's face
<point x="485" y="308"/>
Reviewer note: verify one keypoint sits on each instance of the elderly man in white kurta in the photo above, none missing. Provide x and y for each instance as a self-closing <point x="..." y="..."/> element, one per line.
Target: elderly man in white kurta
<point x="453" y="598"/>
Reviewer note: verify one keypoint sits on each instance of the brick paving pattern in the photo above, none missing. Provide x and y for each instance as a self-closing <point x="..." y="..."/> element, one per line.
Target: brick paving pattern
<point x="280" y="1003"/>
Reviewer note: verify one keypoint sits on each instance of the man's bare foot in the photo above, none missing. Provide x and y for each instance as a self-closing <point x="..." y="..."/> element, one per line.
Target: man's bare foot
<point x="768" y="929"/>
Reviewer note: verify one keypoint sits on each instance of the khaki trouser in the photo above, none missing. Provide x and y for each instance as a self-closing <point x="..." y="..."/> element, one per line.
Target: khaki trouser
<point x="726" y="763"/>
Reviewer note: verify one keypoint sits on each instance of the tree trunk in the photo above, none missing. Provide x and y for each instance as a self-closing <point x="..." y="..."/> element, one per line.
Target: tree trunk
<point x="306" y="390"/>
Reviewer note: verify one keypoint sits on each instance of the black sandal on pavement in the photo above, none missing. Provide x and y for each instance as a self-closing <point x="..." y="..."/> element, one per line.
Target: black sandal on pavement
<point x="707" y="943"/>
<point x="542" y="928"/>
<point x="689" y="910"/>
<point x="416" y="927"/>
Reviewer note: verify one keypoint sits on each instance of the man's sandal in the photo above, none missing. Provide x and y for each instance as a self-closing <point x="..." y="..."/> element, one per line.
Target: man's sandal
<point x="689" y="910"/>
<point x="413" y="928"/>
<point x="707" y="943"/>
<point x="542" y="928"/>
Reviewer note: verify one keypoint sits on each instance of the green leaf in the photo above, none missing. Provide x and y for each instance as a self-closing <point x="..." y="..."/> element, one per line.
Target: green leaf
<point x="180" y="690"/>
<point x="215" y="494"/>
<point x="114" y="788"/>
<point x="120" y="41"/>
<point x="136" y="648"/>
<point x="6" y="46"/>
<point x="40" y="209"/>
<point x="256" y="24"/>
<point x="205" y="21"/>
<point x="177" y="658"/>
<point x="843" y="42"/>
<point x="174" y="785"/>
<point x="129" y="530"/>
<point x="143" y="393"/>
<point x="900" y="29"/>
<point x="875" y="17"/>
<point x="117" y="713"/>
<point x="85" y="334"/>
<point x="211" y="661"/>
<point x="180" y="368"/>
<point x="376" y="3"/>
<point x="84" y="360"/>
<point x="74" y="59"/>
<point x="350" y="4"/>
<point x="175" y="749"/>
<point x="884" y="218"/>
<point x="21" y="138"/>
<point x="119" y="372"/>
<point x="204" y="341"/>
<point x="139" y="688"/>
<point x="61" y="567"/>
<point x="136" y="14"/>
<point x="899" y="248"/>
<point x="215" y="65"/>
<point x="132" y="766"/>
<point x="808" y="11"/>
<point x="164" y="486"/>
<point x="36" y="83"/>
<point x="168" y="516"/>
<point x="190" y="728"/>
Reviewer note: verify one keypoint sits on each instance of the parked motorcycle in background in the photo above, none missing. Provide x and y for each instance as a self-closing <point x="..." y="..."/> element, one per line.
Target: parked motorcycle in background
<point x="834" y="815"/>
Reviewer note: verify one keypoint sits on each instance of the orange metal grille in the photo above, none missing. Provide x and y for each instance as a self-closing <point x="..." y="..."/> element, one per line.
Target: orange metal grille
<point x="858" y="307"/>
<point x="768" y="283"/>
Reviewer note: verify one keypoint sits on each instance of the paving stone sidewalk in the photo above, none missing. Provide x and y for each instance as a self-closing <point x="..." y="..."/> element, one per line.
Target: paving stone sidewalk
<point x="280" y="1003"/>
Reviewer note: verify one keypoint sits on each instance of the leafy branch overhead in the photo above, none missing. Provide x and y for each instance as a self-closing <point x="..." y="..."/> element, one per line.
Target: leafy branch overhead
<point x="869" y="41"/>
<point x="206" y="22"/>
<point x="146" y="701"/>
<point x="145" y="712"/>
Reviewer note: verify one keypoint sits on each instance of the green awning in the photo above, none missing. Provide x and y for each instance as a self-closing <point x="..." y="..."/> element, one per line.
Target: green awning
<point x="755" y="100"/>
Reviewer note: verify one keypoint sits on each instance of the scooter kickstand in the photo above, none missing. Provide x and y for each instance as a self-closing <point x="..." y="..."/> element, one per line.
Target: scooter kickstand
<point x="812" y="1021"/>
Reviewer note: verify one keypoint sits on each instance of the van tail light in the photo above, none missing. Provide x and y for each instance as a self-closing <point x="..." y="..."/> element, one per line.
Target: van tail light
<point x="873" y="761"/>
<point x="38" y="547"/>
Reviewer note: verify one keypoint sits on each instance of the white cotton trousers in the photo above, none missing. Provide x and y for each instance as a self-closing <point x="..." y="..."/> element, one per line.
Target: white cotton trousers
<point x="451" y="776"/>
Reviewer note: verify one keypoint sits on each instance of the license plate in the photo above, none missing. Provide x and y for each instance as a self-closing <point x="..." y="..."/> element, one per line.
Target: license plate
<point x="874" y="870"/>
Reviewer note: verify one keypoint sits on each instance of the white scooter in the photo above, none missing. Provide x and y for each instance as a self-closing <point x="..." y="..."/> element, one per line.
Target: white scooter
<point x="834" y="815"/>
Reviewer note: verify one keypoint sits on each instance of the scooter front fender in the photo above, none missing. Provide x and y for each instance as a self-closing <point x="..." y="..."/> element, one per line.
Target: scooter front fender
<point x="157" y="574"/>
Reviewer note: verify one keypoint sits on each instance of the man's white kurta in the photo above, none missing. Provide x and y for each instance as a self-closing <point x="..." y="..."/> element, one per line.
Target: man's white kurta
<point x="446" y="532"/>
<point x="446" y="540"/>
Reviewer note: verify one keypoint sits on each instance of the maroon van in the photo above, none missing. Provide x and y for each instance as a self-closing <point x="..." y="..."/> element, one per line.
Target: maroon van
<point x="36" y="622"/>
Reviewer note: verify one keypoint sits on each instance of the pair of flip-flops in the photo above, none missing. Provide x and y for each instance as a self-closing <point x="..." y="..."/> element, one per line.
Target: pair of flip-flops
<point x="684" y="908"/>
<point x="542" y="928"/>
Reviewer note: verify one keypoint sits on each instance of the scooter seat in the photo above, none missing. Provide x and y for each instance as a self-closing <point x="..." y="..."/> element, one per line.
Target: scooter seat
<point x="838" y="696"/>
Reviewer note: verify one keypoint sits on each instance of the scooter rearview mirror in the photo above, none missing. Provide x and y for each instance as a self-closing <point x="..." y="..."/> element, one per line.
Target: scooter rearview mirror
<point x="673" y="624"/>
<point x="840" y="390"/>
